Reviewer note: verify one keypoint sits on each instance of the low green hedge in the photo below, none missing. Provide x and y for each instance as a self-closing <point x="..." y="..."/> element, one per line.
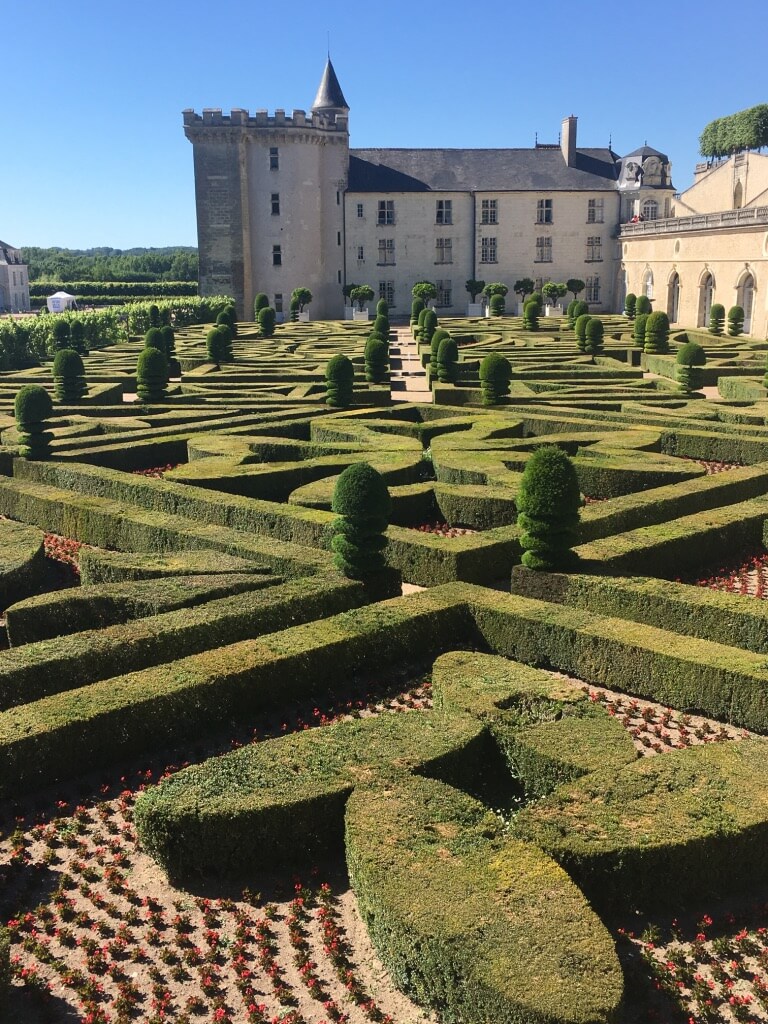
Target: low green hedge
<point x="470" y="923"/>
<point x="688" y="824"/>
<point x="690" y="610"/>
<point x="100" y="566"/>
<point x="93" y="607"/>
<point x="5" y="966"/>
<point x="66" y="663"/>
<point x="22" y="561"/>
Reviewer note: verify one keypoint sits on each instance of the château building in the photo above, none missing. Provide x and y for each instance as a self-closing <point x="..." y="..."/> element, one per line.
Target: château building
<point x="14" y="281"/>
<point x="282" y="202"/>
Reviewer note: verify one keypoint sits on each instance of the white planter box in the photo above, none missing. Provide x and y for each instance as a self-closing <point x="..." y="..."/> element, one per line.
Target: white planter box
<point x="519" y="309"/>
<point x="349" y="312"/>
<point x="553" y="311"/>
<point x="303" y="316"/>
<point x="474" y="309"/>
<point x="360" y="314"/>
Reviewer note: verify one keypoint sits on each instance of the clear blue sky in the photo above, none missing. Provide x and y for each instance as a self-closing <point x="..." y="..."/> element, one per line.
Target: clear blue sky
<point x="93" y="151"/>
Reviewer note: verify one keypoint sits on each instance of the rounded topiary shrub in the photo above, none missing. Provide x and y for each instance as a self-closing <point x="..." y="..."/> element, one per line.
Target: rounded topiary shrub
<point x="495" y="375"/>
<point x="569" y="317"/>
<point x="593" y="337"/>
<point x="630" y="305"/>
<point x="657" y="333"/>
<point x="548" y="504"/>
<point x="497" y="305"/>
<point x="361" y="499"/>
<point x="531" y="312"/>
<point x="32" y="407"/>
<point x="260" y="301"/>
<point x="735" y="321"/>
<point x="638" y="329"/>
<point x="382" y="309"/>
<point x="429" y="325"/>
<point x="643" y="304"/>
<point x="228" y="317"/>
<point x="69" y="376"/>
<point x="218" y="343"/>
<point x="376" y="359"/>
<point x="61" y="337"/>
<point x="339" y="381"/>
<point x="152" y="375"/>
<point x="716" y="319"/>
<point x="579" y="309"/>
<point x="266" y="320"/>
<point x="169" y="340"/>
<point x="381" y="326"/>
<point x="434" y="347"/>
<point x="417" y="307"/>
<point x="580" y="330"/>
<point x="690" y="358"/>
<point x="448" y="361"/>
<point x="538" y="298"/>
<point x="77" y="337"/>
<point x="154" y="339"/>
<point x="294" y="308"/>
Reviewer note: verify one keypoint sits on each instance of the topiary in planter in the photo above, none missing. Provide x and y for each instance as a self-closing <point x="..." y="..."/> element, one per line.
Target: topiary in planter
<point x="497" y="305"/>
<point x="657" y="333"/>
<point x="152" y="375"/>
<point x="630" y="305"/>
<point x="690" y="358"/>
<point x="638" y="330"/>
<point x="531" y="316"/>
<point x="340" y="381"/>
<point x="69" y="376"/>
<point x="382" y="309"/>
<point x="593" y="337"/>
<point x="154" y="339"/>
<point x="260" y="301"/>
<point x="548" y="504"/>
<point x="434" y="347"/>
<point x="376" y="359"/>
<point x="381" y="326"/>
<point x="643" y="305"/>
<point x="61" y="335"/>
<point x="735" y="321"/>
<point x="448" y="361"/>
<point x="169" y="340"/>
<point x="429" y="326"/>
<point x="716" y="319"/>
<point x="32" y="407"/>
<point x="219" y="344"/>
<point x="361" y="499"/>
<point x="495" y="375"/>
<point x="266" y="320"/>
<point x="580" y="330"/>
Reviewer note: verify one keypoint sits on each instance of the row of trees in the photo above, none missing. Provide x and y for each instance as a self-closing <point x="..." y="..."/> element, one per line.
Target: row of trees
<point x="747" y="129"/>
<point x="172" y="263"/>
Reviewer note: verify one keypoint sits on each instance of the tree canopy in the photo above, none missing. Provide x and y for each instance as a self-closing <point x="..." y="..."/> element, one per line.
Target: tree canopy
<point x="173" y="263"/>
<point x="746" y="129"/>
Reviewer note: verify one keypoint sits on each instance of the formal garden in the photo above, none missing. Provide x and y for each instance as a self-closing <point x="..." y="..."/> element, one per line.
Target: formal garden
<point x="320" y="704"/>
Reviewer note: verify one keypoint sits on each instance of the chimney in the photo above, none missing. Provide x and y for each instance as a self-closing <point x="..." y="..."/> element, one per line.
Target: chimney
<point x="568" y="140"/>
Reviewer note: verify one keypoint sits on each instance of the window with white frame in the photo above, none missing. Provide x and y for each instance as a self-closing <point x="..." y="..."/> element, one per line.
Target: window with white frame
<point x="386" y="252"/>
<point x="595" y="211"/>
<point x="277" y="256"/>
<point x="488" y="250"/>
<point x="489" y="211"/>
<point x="444" y="294"/>
<point x="650" y="209"/>
<point x="387" y="292"/>
<point x="360" y="210"/>
<point x="386" y="211"/>
<point x="444" y="211"/>
<point x="275" y="204"/>
<point x="543" y="250"/>
<point x="593" y="289"/>
<point x="594" y="249"/>
<point x="360" y="253"/>
<point x="443" y="250"/>
<point x="544" y="211"/>
<point x="274" y="158"/>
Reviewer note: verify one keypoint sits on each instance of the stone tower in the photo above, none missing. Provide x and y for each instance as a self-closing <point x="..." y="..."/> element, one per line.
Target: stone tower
<point x="269" y="192"/>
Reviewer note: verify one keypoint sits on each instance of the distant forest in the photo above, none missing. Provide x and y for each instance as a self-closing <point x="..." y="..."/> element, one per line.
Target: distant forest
<point x="173" y="263"/>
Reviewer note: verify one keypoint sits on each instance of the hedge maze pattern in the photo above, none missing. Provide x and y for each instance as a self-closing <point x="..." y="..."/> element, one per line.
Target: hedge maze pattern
<point x="510" y="765"/>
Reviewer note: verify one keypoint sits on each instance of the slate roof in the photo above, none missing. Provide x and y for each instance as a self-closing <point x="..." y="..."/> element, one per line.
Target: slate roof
<point x="645" y="151"/>
<point x="480" y="170"/>
<point x="4" y="250"/>
<point x="329" y="94"/>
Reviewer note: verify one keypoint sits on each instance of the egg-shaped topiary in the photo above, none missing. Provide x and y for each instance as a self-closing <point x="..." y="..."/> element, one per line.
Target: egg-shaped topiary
<point x="32" y="407"/>
<point x="267" y="319"/>
<point x="69" y="383"/>
<point x="657" y="333"/>
<point x="61" y="334"/>
<point x="152" y="375"/>
<point x="593" y="337"/>
<point x="580" y="330"/>
<point x="169" y="340"/>
<point x="434" y="347"/>
<point x="643" y="305"/>
<point x="548" y="504"/>
<point x="260" y="301"/>
<point x="497" y="305"/>
<point x="638" y="329"/>
<point x="154" y="339"/>
<point x="690" y="359"/>
<point x="376" y="359"/>
<point x="361" y="499"/>
<point x="630" y="305"/>
<point x="531" y="312"/>
<point x="448" y="361"/>
<point x="495" y="375"/>
<point x="340" y="381"/>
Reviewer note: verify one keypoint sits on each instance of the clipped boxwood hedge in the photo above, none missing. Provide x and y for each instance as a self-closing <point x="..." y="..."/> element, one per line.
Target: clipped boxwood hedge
<point x="22" y="561"/>
<point x="5" y="966"/>
<point x="100" y="566"/>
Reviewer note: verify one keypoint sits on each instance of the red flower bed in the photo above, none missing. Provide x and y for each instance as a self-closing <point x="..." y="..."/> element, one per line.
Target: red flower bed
<point x="438" y="529"/>
<point x="746" y="575"/>
<point x="63" y="550"/>
<point x="156" y="472"/>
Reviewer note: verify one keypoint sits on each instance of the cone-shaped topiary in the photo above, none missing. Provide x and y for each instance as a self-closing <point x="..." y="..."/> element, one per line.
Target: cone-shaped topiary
<point x="32" y="407"/>
<point x="657" y="333"/>
<point x="429" y="326"/>
<point x="716" y="319"/>
<point x="448" y="361"/>
<point x="169" y="340"/>
<point x="735" y="321"/>
<point x="152" y="375"/>
<point x="376" y="359"/>
<point x="340" y="381"/>
<point x="154" y="339"/>
<point x="434" y="347"/>
<point x="266" y="320"/>
<point x="531" y="312"/>
<point x="690" y="358"/>
<point x="382" y="309"/>
<point x="638" y="329"/>
<point x="61" y="335"/>
<point x="69" y="376"/>
<point x="643" y="305"/>
<point x="381" y="326"/>
<point x="497" y="305"/>
<point x="495" y="375"/>
<point x="260" y="301"/>
<point x="580" y="330"/>
<point x="361" y="499"/>
<point x="630" y="305"/>
<point x="219" y="344"/>
<point x="548" y="505"/>
<point x="593" y="337"/>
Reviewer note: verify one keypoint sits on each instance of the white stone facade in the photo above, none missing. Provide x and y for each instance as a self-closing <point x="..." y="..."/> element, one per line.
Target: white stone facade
<point x="14" y="281"/>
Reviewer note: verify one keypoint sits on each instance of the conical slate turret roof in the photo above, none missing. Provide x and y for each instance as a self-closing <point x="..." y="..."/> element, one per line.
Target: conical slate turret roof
<point x="329" y="94"/>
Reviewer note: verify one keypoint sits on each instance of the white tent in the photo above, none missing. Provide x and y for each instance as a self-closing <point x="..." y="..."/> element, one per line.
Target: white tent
<point x="60" y="301"/>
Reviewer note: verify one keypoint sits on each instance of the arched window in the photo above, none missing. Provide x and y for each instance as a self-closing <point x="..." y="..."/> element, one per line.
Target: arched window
<point x="673" y="298"/>
<point x="650" y="209"/>
<point x="648" y="284"/>
<point x="746" y="299"/>
<point x="738" y="196"/>
<point x="706" y="294"/>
